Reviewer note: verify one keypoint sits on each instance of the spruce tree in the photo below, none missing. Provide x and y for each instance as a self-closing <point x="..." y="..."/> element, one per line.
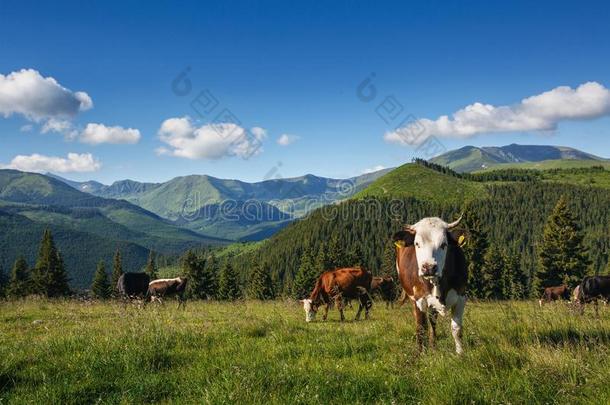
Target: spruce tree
<point x="260" y="286"/>
<point x="517" y="277"/>
<point x="562" y="256"/>
<point x="20" y="283"/>
<point x="306" y="276"/>
<point x="201" y="276"/>
<point x="151" y="266"/>
<point x="388" y="260"/>
<point x="100" y="288"/>
<point x="117" y="271"/>
<point x="334" y="253"/>
<point x="474" y="251"/>
<point x="49" y="275"/>
<point x="228" y="288"/>
<point x="495" y="282"/>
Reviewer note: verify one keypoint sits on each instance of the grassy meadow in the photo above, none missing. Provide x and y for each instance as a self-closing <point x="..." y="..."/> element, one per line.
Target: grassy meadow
<point x="253" y="352"/>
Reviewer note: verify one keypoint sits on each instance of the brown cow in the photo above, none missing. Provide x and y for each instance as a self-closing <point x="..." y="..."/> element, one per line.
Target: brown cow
<point x="337" y="286"/>
<point x="385" y="287"/>
<point x="433" y="273"/>
<point x="556" y="293"/>
<point x="167" y="287"/>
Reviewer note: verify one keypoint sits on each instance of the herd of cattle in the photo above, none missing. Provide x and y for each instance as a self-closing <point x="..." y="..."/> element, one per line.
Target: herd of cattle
<point x="138" y="285"/>
<point x="430" y="267"/>
<point x="592" y="289"/>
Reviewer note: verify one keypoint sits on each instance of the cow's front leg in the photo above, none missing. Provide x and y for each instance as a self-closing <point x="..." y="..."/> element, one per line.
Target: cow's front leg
<point x="339" y="303"/>
<point x="456" y="323"/>
<point x="326" y="308"/>
<point x="432" y="316"/>
<point x="419" y="312"/>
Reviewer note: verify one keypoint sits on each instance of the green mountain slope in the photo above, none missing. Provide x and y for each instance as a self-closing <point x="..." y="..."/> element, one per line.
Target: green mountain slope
<point x="414" y="180"/>
<point x="472" y="158"/>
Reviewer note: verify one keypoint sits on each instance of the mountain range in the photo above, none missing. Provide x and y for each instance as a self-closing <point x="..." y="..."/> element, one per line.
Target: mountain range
<point x="91" y="220"/>
<point x="472" y="158"/>
<point x="231" y="209"/>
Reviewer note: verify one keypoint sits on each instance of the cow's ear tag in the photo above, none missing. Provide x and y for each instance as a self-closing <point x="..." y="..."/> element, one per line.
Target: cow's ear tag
<point x="461" y="240"/>
<point x="400" y="243"/>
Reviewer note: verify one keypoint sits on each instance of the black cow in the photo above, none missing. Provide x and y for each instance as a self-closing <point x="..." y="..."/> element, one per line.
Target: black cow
<point x="133" y="285"/>
<point x="592" y="289"/>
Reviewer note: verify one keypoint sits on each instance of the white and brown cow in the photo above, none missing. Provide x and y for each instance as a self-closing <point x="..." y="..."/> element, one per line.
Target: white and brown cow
<point x="167" y="287"/>
<point x="433" y="273"/>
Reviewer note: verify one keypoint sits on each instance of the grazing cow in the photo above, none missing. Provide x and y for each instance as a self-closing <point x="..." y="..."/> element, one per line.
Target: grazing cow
<point x="133" y="285"/>
<point x="337" y="286"/>
<point x="592" y="289"/>
<point x="432" y="270"/>
<point x="385" y="287"/>
<point x="575" y="295"/>
<point x="167" y="287"/>
<point x="556" y="293"/>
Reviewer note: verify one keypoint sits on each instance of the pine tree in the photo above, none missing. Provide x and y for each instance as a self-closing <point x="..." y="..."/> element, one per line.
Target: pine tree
<point x="117" y="271"/>
<point x="227" y="283"/>
<point x="20" y="283"/>
<point x="474" y="251"/>
<point x="388" y="260"/>
<point x="100" y="288"/>
<point x="517" y="277"/>
<point x="495" y="282"/>
<point x="151" y="266"/>
<point x="334" y="253"/>
<point x="306" y="276"/>
<point x="260" y="286"/>
<point x="321" y="262"/>
<point x="562" y="256"/>
<point x="49" y="275"/>
<point x="201" y="275"/>
<point x="354" y="255"/>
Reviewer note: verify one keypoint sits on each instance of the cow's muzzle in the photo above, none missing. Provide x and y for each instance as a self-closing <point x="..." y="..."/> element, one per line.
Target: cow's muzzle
<point x="429" y="270"/>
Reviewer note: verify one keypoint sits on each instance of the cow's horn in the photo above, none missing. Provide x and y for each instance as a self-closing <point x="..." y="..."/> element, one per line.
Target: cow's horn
<point x="455" y="223"/>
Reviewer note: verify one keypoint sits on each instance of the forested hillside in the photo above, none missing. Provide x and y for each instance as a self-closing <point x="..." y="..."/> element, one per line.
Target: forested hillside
<point x="87" y="228"/>
<point x="512" y="213"/>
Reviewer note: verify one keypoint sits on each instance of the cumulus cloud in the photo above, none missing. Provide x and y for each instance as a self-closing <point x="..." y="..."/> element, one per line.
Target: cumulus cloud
<point x="210" y="141"/>
<point x="373" y="169"/>
<point x="542" y="112"/>
<point x="39" y="98"/>
<point x="287" y="139"/>
<point x="74" y="162"/>
<point x="99" y="133"/>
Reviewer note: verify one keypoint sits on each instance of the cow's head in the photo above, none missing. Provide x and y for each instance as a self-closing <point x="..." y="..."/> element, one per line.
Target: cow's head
<point x="431" y="238"/>
<point x="310" y="309"/>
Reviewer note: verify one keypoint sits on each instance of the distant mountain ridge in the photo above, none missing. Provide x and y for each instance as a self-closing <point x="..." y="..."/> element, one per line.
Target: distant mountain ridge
<point x="472" y="158"/>
<point x="195" y="201"/>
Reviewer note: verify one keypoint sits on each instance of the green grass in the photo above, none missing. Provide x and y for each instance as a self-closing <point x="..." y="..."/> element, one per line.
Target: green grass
<point x="413" y="180"/>
<point x="252" y="352"/>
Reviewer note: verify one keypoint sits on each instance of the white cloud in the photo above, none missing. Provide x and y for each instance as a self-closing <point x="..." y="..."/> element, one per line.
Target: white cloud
<point x="39" y="98"/>
<point x="542" y="112"/>
<point x="74" y="162"/>
<point x="26" y="128"/>
<point x="373" y="169"/>
<point x="95" y="134"/>
<point x="287" y="139"/>
<point x="211" y="141"/>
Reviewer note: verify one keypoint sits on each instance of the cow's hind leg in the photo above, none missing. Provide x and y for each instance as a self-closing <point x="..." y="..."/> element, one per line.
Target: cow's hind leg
<point x="456" y="323"/>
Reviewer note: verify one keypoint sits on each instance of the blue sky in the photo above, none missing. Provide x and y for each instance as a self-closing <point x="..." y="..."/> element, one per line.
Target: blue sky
<point x="294" y="69"/>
